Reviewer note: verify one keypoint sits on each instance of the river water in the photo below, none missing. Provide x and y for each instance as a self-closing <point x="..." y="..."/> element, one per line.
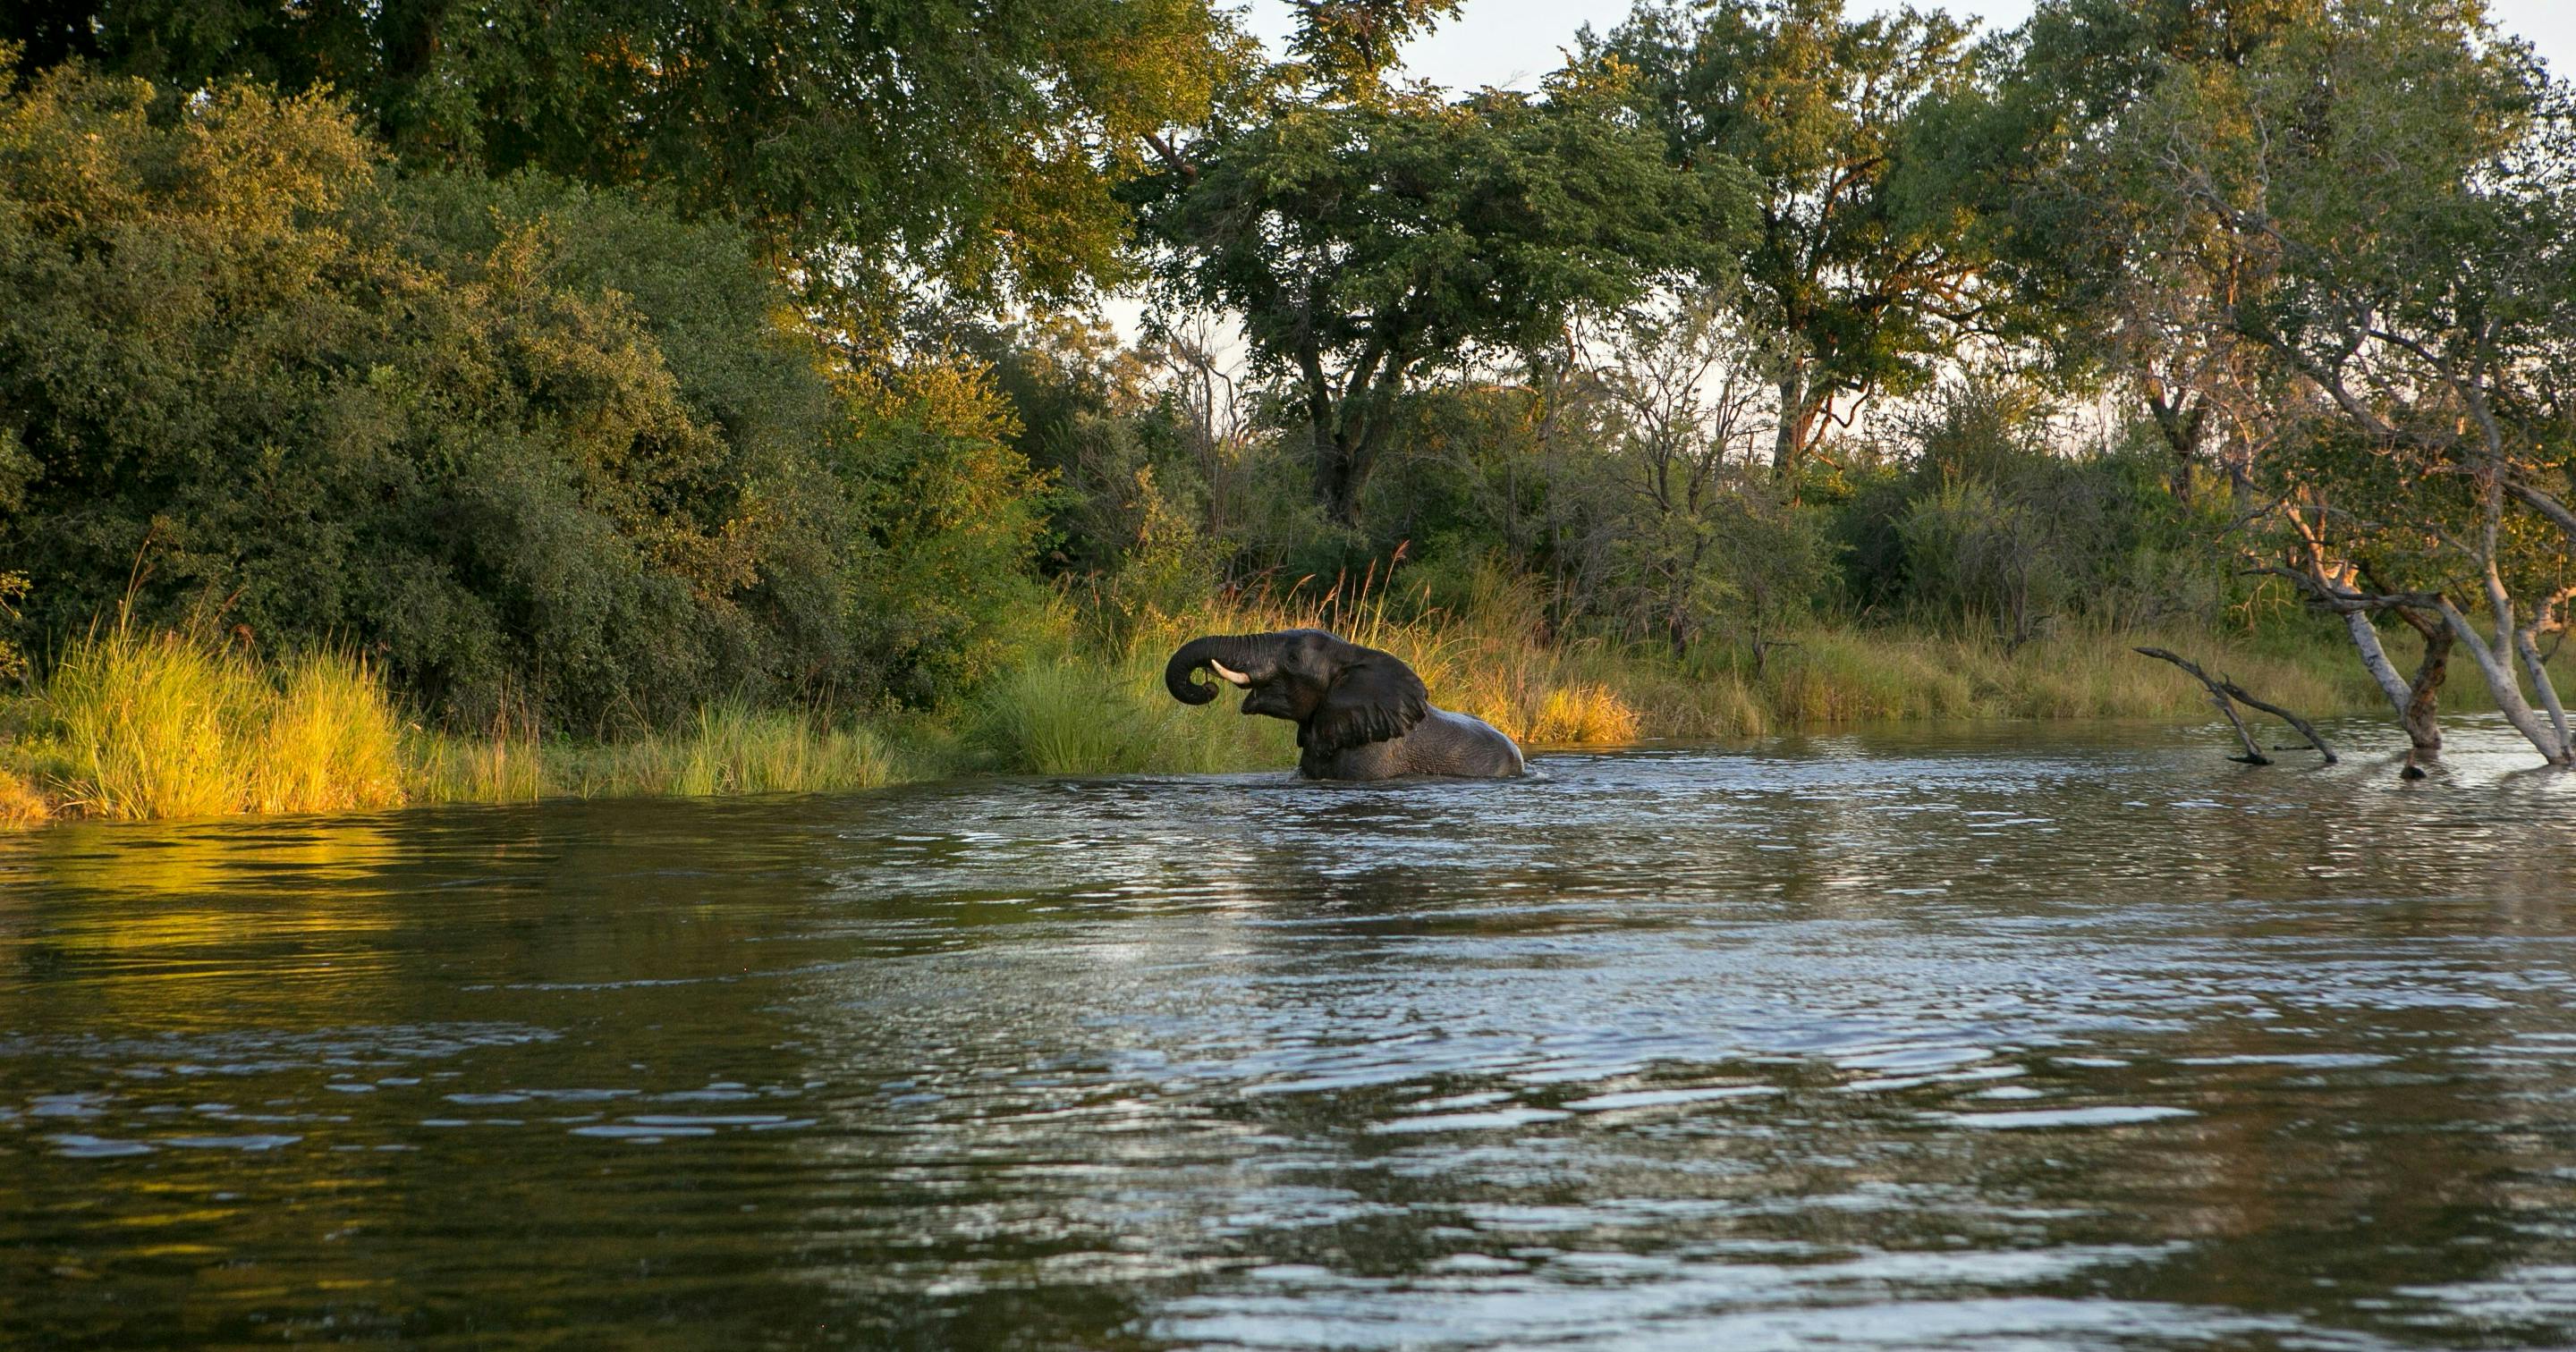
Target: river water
<point x="2020" y="1037"/>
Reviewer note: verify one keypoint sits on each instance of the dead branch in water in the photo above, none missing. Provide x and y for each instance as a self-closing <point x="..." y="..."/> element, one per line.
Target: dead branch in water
<point x="2227" y="694"/>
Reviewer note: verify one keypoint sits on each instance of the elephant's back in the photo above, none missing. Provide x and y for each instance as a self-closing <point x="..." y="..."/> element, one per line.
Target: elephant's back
<point x="1451" y="743"/>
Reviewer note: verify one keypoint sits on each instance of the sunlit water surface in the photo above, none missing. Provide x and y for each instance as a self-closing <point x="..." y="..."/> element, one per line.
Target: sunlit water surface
<point x="2036" y="1036"/>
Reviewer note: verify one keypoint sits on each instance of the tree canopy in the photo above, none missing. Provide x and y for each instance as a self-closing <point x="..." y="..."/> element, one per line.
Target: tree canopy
<point x="979" y="140"/>
<point x="1862" y="246"/>
<point x="1367" y="243"/>
<point x="521" y="441"/>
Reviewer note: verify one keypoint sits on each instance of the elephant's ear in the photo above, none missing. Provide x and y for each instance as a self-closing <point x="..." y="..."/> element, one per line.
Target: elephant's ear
<point x="1374" y="697"/>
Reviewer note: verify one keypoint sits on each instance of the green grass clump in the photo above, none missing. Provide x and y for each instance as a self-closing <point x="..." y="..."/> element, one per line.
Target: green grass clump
<point x="163" y="725"/>
<point x="331" y="740"/>
<point x="1853" y="677"/>
<point x="501" y="767"/>
<point x="1103" y="715"/>
<point x="729" y="748"/>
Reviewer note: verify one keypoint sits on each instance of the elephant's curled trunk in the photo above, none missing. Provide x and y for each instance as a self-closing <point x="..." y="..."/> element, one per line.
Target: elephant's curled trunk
<point x="1236" y="658"/>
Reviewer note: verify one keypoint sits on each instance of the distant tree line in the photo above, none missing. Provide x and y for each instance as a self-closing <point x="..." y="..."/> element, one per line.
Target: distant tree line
<point x="596" y="361"/>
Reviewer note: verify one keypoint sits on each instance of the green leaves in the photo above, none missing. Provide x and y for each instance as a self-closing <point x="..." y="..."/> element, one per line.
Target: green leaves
<point x="979" y="141"/>
<point x="540" y="449"/>
<point x="1864" y="246"/>
<point x="1366" y="243"/>
<point x="1344" y="48"/>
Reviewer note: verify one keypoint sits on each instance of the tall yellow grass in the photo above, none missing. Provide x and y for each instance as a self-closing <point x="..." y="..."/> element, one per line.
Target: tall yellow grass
<point x="21" y="804"/>
<point x="135" y="725"/>
<point x="162" y="725"/>
<point x="1860" y="676"/>
<point x="132" y="725"/>
<point x="331" y="741"/>
<point x="731" y="748"/>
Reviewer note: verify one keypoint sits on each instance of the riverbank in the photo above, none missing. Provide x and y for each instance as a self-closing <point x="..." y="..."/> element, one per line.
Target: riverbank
<point x="135" y="726"/>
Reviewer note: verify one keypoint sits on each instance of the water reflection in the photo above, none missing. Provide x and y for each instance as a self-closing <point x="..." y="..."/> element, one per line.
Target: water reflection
<point x="2046" y="1036"/>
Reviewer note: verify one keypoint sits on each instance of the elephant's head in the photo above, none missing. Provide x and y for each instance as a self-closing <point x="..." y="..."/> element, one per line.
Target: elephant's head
<point x="1339" y="694"/>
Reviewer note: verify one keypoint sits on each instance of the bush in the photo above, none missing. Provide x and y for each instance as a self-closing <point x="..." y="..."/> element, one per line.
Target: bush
<point x="137" y="726"/>
<point x="940" y="593"/>
<point x="544" y="453"/>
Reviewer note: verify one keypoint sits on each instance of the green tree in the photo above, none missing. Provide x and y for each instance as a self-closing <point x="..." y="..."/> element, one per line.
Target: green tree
<point x="1864" y="247"/>
<point x="2126" y="288"/>
<point x="1366" y="244"/>
<point x="2398" y="181"/>
<point x="1700" y="536"/>
<point x="533" y="446"/>
<point x="1344" y="48"/>
<point x="971" y="138"/>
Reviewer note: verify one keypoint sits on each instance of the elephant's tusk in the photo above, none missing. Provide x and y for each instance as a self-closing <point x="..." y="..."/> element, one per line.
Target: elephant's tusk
<point x="1228" y="674"/>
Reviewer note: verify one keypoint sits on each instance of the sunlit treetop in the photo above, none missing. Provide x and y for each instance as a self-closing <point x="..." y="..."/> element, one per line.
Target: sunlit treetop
<point x="973" y="142"/>
<point x="1865" y="244"/>
<point x="1344" y="48"/>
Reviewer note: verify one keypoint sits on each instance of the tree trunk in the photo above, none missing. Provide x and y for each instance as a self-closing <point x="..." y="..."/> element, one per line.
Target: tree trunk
<point x="2180" y="423"/>
<point x="1790" y="439"/>
<point x="1337" y="485"/>
<point x="2527" y="644"/>
<point x="2497" y="667"/>
<point x="2417" y="701"/>
<point x="1348" y="438"/>
<point x="2421" y="716"/>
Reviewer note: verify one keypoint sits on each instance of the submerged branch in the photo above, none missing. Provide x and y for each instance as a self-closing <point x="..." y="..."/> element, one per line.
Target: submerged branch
<point x="2227" y="694"/>
<point x="2217" y="696"/>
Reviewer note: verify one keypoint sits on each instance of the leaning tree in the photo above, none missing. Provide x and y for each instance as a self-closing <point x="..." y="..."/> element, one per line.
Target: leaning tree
<point x="2398" y="184"/>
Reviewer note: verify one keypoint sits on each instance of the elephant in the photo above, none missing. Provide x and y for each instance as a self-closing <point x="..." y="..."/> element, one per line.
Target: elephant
<point x="1360" y="713"/>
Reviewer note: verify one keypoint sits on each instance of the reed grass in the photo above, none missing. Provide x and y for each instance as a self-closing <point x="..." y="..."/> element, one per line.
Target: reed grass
<point x="149" y="726"/>
<point x="331" y="740"/>
<point x="21" y="804"/>
<point x="135" y="725"/>
<point x="728" y="749"/>
<point x="164" y="725"/>
<point x="132" y="726"/>
<point x="731" y="748"/>
<point x="502" y="766"/>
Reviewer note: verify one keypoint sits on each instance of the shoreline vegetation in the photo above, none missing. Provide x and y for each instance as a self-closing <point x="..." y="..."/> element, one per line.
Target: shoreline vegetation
<point x="369" y="439"/>
<point x="136" y="724"/>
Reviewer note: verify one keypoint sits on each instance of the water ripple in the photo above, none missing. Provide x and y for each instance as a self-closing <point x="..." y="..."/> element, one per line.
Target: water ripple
<point x="1978" y="1038"/>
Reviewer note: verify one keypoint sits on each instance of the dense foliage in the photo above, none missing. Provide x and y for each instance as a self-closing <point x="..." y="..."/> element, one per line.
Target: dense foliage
<point x="974" y="138"/>
<point x="1366" y="245"/>
<point x="596" y="368"/>
<point x="534" y="446"/>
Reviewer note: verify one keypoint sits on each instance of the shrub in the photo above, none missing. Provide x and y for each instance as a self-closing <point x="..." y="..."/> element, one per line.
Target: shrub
<point x="540" y="451"/>
<point x="164" y="725"/>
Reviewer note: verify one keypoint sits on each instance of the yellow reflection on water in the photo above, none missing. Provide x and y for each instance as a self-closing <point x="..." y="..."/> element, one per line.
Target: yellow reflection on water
<point x="187" y="923"/>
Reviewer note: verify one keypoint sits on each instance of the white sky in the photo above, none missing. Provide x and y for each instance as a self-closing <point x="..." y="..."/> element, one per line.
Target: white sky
<point x="1512" y="42"/>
